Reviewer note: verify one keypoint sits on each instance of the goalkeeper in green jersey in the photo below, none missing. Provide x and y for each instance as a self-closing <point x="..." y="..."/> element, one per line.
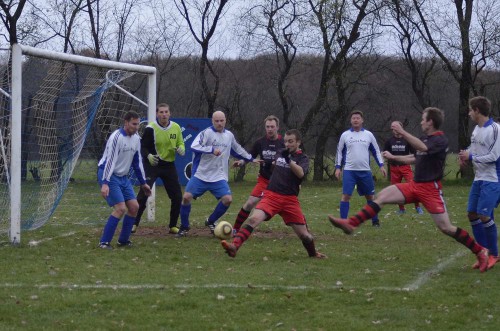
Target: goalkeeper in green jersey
<point x="161" y="140"/>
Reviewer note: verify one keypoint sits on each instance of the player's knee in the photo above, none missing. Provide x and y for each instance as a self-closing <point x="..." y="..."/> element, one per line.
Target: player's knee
<point x="306" y="238"/>
<point x="187" y="198"/>
<point x="227" y="200"/>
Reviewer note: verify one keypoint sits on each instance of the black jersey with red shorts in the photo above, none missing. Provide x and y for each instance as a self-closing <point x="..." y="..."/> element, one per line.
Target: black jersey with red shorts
<point x="281" y="194"/>
<point x="429" y="169"/>
<point x="266" y="149"/>
<point x="398" y="146"/>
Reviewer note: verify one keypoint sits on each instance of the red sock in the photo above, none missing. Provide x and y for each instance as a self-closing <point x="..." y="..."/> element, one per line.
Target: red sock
<point x="242" y="235"/>
<point x="368" y="211"/>
<point x="465" y="239"/>
<point x="241" y="218"/>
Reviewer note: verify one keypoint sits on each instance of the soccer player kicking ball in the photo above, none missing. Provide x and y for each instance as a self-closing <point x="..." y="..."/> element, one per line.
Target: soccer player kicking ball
<point x="291" y="165"/>
<point x="429" y="162"/>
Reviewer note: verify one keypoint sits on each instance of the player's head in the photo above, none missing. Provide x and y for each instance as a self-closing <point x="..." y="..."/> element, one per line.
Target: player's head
<point x="396" y="134"/>
<point x="432" y="118"/>
<point x="357" y="118"/>
<point x="219" y="120"/>
<point x="272" y="124"/>
<point x="132" y="120"/>
<point x="481" y="105"/>
<point x="292" y="140"/>
<point x="163" y="113"/>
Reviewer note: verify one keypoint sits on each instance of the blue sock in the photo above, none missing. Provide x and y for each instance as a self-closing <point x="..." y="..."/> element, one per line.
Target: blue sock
<point x="185" y="211"/>
<point x="344" y="209"/>
<point x="109" y="229"/>
<point x="490" y="230"/>
<point x="478" y="232"/>
<point x="128" y="223"/>
<point x="219" y="210"/>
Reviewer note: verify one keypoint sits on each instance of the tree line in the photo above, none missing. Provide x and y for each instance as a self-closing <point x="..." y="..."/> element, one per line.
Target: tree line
<point x="310" y="62"/>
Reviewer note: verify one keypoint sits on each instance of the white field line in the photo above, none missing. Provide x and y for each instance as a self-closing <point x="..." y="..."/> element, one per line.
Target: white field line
<point x="37" y="242"/>
<point x="426" y="275"/>
<point x="195" y="286"/>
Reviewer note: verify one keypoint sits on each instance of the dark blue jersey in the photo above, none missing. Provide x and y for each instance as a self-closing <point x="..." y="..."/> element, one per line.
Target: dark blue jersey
<point x="398" y="146"/>
<point x="429" y="165"/>
<point x="266" y="149"/>
<point x="283" y="180"/>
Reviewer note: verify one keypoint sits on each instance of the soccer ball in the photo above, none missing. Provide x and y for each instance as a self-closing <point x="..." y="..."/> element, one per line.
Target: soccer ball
<point x="223" y="230"/>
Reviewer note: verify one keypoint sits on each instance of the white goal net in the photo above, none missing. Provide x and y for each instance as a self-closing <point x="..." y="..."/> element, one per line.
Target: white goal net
<point x="68" y="107"/>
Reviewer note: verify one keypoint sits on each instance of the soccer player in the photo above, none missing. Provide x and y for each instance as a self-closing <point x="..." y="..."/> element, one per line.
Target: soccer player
<point x="397" y="145"/>
<point x="353" y="155"/>
<point x="266" y="148"/>
<point x="122" y="151"/>
<point x="160" y="141"/>
<point x="291" y="166"/>
<point x="484" y="153"/>
<point x="211" y="150"/>
<point x="429" y="161"/>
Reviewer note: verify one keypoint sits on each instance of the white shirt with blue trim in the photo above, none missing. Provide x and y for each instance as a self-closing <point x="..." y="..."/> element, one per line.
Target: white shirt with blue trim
<point x="208" y="167"/>
<point x="484" y="151"/>
<point x="122" y="152"/>
<point x="354" y="148"/>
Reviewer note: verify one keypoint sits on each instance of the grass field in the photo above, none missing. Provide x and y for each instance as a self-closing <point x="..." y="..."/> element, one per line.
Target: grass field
<point x="402" y="276"/>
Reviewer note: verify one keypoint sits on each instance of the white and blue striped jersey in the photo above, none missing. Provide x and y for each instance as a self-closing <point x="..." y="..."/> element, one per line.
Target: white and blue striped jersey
<point x="208" y="167"/>
<point x="354" y="148"/>
<point x="122" y="151"/>
<point x="484" y="151"/>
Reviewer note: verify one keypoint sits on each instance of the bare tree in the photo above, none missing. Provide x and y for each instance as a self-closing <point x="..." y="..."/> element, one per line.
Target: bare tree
<point x="11" y="12"/>
<point x="340" y="25"/>
<point x="208" y="14"/>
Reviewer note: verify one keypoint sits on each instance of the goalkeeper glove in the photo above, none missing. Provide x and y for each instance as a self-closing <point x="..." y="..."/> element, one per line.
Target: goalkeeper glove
<point x="181" y="151"/>
<point x="286" y="154"/>
<point x="153" y="159"/>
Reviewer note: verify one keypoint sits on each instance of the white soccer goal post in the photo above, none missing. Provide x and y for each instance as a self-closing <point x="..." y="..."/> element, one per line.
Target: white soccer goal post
<point x="49" y="119"/>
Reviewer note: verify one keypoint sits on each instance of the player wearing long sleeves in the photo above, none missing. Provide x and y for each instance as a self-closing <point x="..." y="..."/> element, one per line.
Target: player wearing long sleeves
<point x="484" y="153"/>
<point x="121" y="153"/>
<point x="161" y="140"/>
<point x="353" y="156"/>
<point x="210" y="172"/>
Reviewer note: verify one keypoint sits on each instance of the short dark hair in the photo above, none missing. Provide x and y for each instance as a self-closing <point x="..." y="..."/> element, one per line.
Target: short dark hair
<point x="130" y="115"/>
<point x="436" y="115"/>
<point x="294" y="132"/>
<point x="357" y="112"/>
<point x="482" y="104"/>
<point x="162" y="105"/>
<point x="272" y="118"/>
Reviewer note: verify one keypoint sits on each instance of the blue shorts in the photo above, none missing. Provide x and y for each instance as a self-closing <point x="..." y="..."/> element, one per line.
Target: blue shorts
<point x="197" y="187"/>
<point x="362" y="179"/>
<point x="120" y="188"/>
<point x="483" y="197"/>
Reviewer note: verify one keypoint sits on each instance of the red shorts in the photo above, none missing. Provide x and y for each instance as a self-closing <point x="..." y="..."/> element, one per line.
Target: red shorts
<point x="398" y="173"/>
<point x="287" y="206"/>
<point x="429" y="194"/>
<point x="260" y="187"/>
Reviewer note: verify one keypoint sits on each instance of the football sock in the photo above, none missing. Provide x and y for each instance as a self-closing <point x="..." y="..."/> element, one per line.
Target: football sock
<point x="185" y="211"/>
<point x="344" y="209"/>
<point x="465" y="239"/>
<point x="109" y="229"/>
<point x="402" y="207"/>
<point x="370" y="210"/>
<point x="219" y="210"/>
<point x="491" y="232"/>
<point x="241" y="218"/>
<point x="128" y="223"/>
<point x="309" y="246"/>
<point x="479" y="232"/>
<point x="242" y="235"/>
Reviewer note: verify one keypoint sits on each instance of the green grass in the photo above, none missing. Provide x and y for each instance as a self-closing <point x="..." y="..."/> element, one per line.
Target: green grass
<point x="404" y="276"/>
